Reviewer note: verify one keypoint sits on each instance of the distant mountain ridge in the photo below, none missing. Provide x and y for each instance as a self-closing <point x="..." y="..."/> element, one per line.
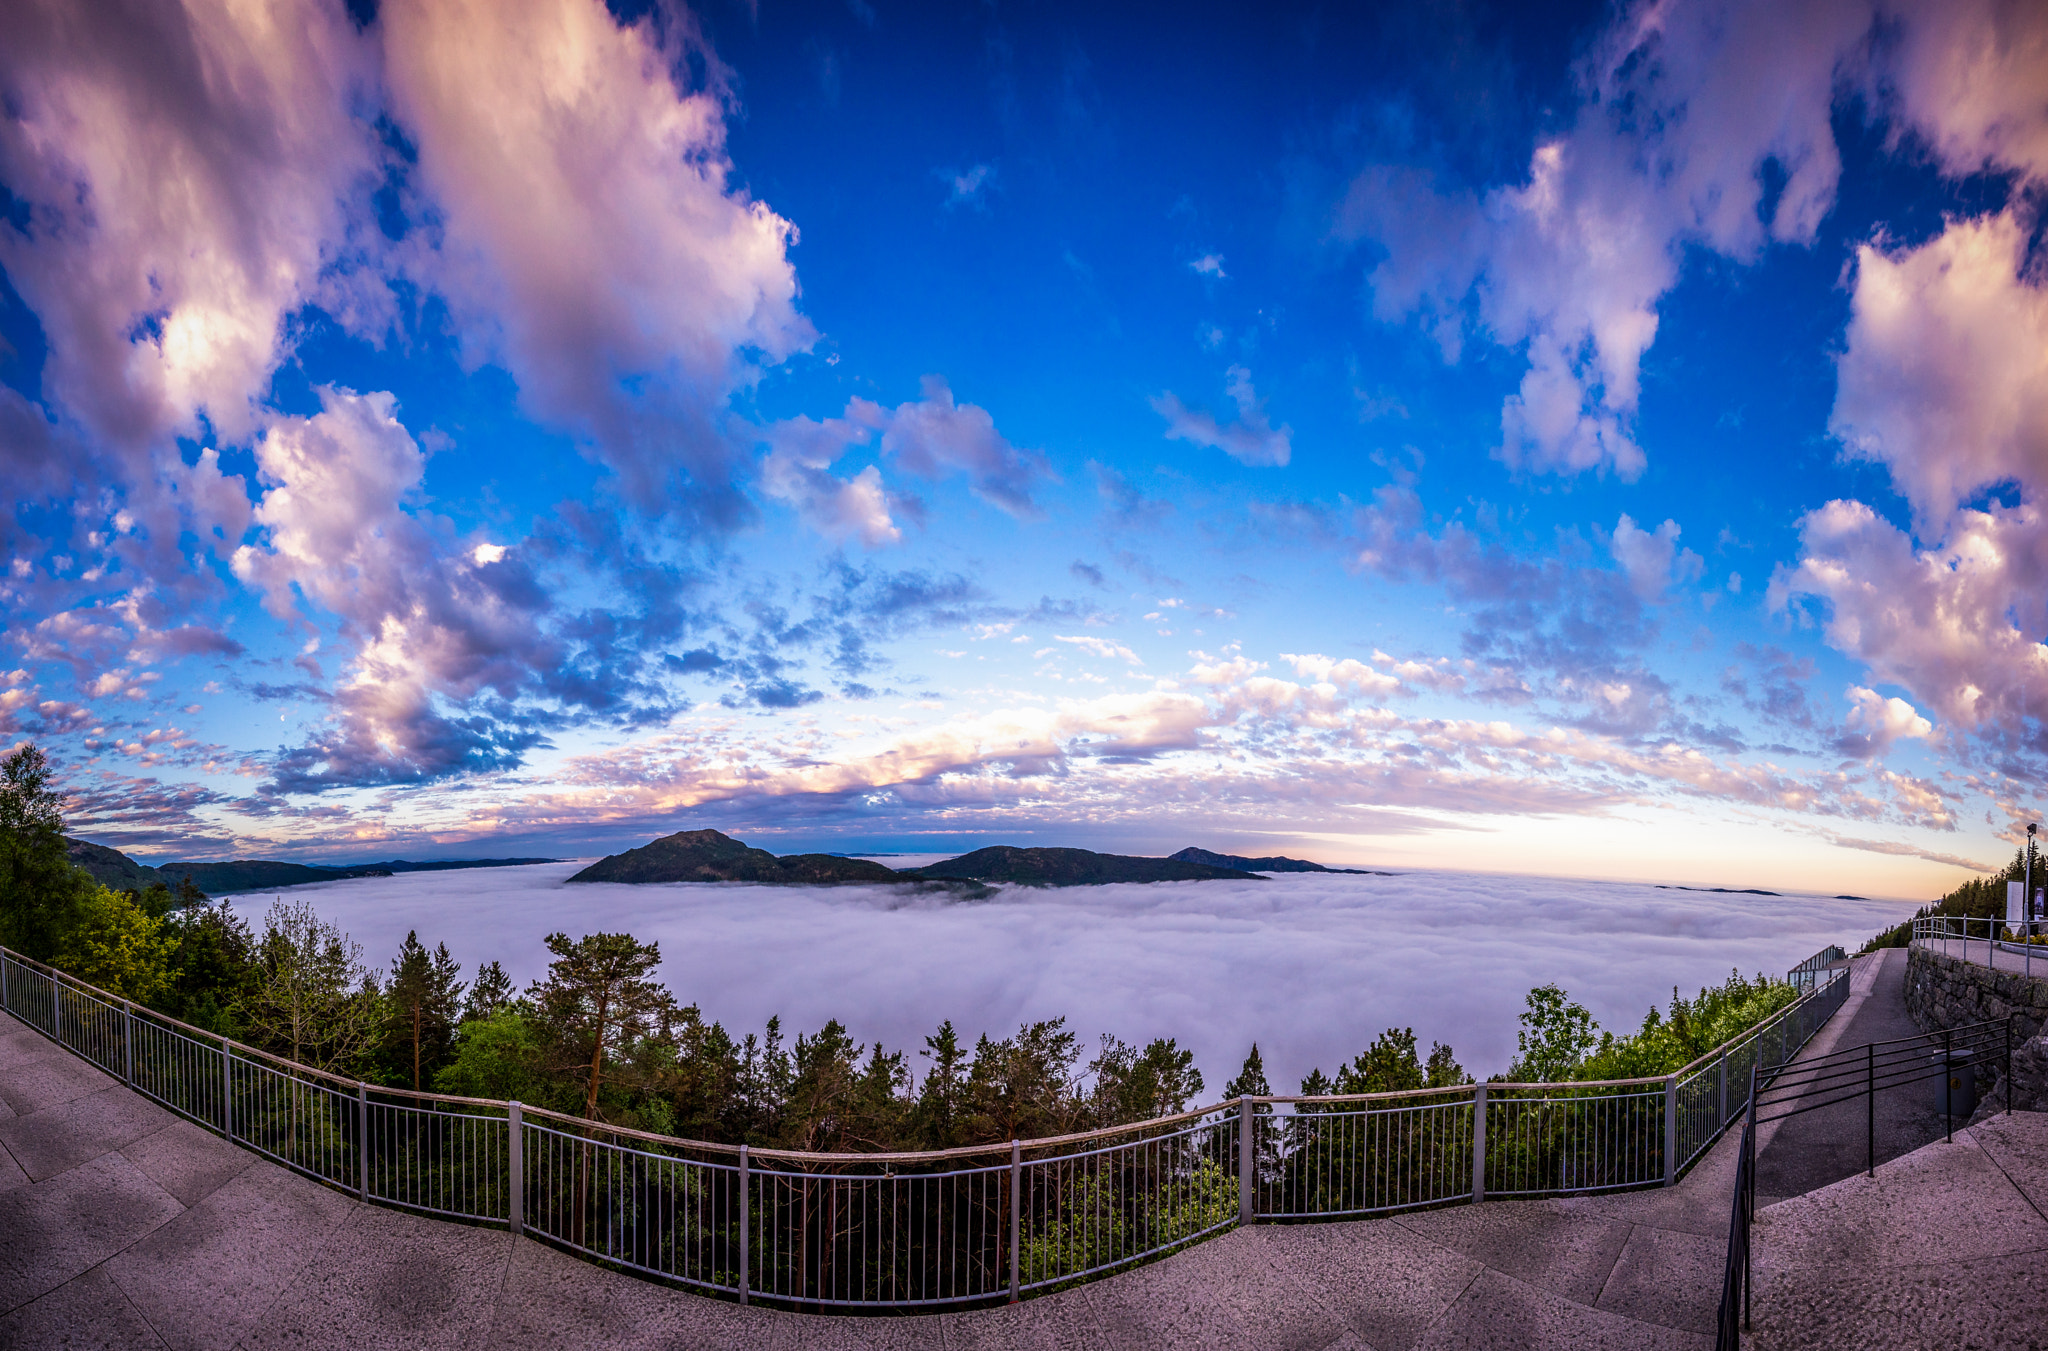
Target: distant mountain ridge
<point x="114" y="869"/>
<point x="262" y="874"/>
<point x="709" y="856"/>
<point x="1045" y="867"/>
<point x="1273" y="863"/>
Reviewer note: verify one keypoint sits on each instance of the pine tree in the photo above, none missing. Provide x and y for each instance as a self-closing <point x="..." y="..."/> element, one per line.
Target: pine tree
<point x="491" y="991"/>
<point x="425" y="1000"/>
<point x="596" y="1003"/>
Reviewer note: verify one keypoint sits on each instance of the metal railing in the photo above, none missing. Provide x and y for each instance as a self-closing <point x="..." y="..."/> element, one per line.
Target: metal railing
<point x="980" y="1223"/>
<point x="1977" y="939"/>
<point x="1807" y="973"/>
<point x="1844" y="1076"/>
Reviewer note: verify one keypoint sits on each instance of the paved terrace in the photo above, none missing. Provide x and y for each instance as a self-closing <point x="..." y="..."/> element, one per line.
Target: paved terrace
<point x="122" y="1225"/>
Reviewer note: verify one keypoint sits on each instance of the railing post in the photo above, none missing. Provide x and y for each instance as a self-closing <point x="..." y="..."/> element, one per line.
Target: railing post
<point x="1948" y="1070"/>
<point x="1245" y="1178"/>
<point x="746" y="1215"/>
<point x="515" y="1159"/>
<point x="127" y="1041"/>
<point x="227" y="1088"/>
<point x="1479" y="1142"/>
<point x="363" y="1142"/>
<point x="1670" y="1129"/>
<point x="2008" y="1059"/>
<point x="1870" y="1109"/>
<point x="6" y="1000"/>
<point x="56" y="1007"/>
<point x="1721" y="1117"/>
<point x="1016" y="1211"/>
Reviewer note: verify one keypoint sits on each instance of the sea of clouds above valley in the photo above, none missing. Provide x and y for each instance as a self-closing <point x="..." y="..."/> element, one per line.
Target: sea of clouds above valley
<point x="1310" y="966"/>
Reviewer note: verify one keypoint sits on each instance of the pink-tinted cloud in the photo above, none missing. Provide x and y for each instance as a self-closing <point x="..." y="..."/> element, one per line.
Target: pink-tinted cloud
<point x="591" y="238"/>
<point x="1250" y="439"/>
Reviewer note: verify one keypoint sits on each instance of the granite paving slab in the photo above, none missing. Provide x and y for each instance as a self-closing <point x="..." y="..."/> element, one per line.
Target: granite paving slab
<point x="1499" y="1313"/>
<point x="52" y="1230"/>
<point x="88" y="1313"/>
<point x="206" y="1279"/>
<point x="382" y="1278"/>
<point x="1388" y="1283"/>
<point x="42" y="1074"/>
<point x="1668" y="1276"/>
<point x="65" y="1134"/>
<point x="188" y="1161"/>
<point x="1227" y="1291"/>
<point x="1060" y="1321"/>
<point x="549" y="1301"/>
<point x="1553" y="1249"/>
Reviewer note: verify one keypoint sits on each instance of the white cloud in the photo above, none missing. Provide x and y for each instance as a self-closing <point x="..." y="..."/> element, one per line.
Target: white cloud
<point x="1968" y="76"/>
<point x="1881" y="723"/>
<point x="1209" y="265"/>
<point x="797" y="470"/>
<point x="1652" y="559"/>
<point x="1948" y="623"/>
<point x="591" y="238"/>
<point x="1945" y="375"/>
<point x="425" y="627"/>
<point x="1251" y="439"/>
<point x="187" y="170"/>
<point x="1102" y="647"/>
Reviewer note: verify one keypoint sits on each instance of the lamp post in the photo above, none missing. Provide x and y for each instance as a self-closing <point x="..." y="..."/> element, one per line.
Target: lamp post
<point x="2027" y="902"/>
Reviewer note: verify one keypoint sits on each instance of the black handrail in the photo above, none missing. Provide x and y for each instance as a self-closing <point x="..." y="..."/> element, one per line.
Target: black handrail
<point x="1836" y="1077"/>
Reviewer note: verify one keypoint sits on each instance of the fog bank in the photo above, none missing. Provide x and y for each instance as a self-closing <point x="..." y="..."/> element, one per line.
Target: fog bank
<point x="1310" y="966"/>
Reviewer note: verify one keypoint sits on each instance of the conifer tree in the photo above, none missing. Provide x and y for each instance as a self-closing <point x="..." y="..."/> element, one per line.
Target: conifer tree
<point x="424" y="1000"/>
<point x="596" y="1003"/>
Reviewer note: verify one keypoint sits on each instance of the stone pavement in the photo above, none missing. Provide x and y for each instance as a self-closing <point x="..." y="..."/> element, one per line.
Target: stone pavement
<point x="1945" y="1247"/>
<point x="122" y="1225"/>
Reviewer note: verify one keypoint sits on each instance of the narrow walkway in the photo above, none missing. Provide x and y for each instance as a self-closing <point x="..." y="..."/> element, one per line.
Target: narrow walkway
<point x="2025" y="959"/>
<point x="122" y="1225"/>
<point x="1799" y="1154"/>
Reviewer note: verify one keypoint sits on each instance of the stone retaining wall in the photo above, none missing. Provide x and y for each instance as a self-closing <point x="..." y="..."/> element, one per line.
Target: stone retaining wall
<point x="1944" y="992"/>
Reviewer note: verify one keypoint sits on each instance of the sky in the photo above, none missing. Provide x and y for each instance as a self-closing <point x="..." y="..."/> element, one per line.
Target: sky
<point x="1586" y="440"/>
<point x="1297" y="964"/>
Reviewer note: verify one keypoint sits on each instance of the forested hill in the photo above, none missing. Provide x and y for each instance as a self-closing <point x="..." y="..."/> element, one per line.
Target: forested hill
<point x="708" y="856"/>
<point x="1072" y="868"/>
<point x="263" y="874"/>
<point x="112" y="868"/>
<point x="1273" y="863"/>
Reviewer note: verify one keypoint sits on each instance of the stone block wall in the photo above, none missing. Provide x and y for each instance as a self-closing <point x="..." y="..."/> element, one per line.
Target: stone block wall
<point x="1944" y="992"/>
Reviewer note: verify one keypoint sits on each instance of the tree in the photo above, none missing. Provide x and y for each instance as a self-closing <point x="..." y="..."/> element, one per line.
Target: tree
<point x="1134" y="1085"/>
<point x="423" y="1001"/>
<point x="501" y="1056"/>
<point x="213" y="966"/>
<point x="313" y="999"/>
<point x="491" y="991"/>
<point x="1022" y="1086"/>
<point x="938" y="1118"/>
<point x="1251" y="1083"/>
<point x="114" y="944"/>
<point x="1555" y="1038"/>
<point x="596" y="1003"/>
<point x="41" y="893"/>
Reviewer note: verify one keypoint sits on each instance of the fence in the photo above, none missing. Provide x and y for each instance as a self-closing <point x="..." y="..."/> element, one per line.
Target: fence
<point x="977" y="1224"/>
<point x="1807" y="973"/>
<point x="1840" y="1077"/>
<point x="1981" y="940"/>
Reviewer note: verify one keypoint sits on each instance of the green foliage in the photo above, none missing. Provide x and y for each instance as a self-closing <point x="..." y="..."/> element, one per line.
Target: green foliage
<point x="1133" y="1085"/>
<point x="503" y="1056"/>
<point x="114" y="944"/>
<point x="1555" y="1038"/>
<point x="42" y="896"/>
<point x="1976" y="898"/>
<point x="313" y="1000"/>
<point x="1096" y="1211"/>
<point x="213" y="966"/>
<point x="596" y="1007"/>
<point x="1023" y="1086"/>
<point x="489" y="992"/>
<point x="423" y="1004"/>
<point x="1670" y="1041"/>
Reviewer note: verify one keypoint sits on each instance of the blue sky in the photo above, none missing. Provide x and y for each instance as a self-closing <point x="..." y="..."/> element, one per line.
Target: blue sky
<point x="1595" y="440"/>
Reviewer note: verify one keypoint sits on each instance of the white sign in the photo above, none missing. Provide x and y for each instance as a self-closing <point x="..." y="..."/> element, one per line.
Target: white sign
<point x="2015" y="904"/>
